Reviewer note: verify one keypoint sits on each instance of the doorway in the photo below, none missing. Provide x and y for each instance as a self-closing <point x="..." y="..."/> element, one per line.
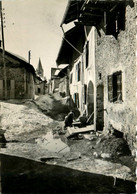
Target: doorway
<point x="100" y="108"/>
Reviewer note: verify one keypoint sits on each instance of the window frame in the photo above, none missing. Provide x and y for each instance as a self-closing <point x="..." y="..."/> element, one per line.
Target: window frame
<point x="115" y="87"/>
<point x="87" y="54"/>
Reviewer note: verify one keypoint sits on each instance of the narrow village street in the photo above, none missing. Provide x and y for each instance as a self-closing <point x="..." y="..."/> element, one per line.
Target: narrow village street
<point x="68" y="96"/>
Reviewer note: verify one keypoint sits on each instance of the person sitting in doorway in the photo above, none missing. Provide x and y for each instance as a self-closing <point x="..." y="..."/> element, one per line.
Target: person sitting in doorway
<point x="69" y="119"/>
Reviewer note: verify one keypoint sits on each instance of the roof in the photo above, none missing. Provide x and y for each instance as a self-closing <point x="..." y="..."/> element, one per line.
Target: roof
<point x="62" y="71"/>
<point x="73" y="37"/>
<point x="89" y="12"/>
<point x="72" y="11"/>
<point x="22" y="61"/>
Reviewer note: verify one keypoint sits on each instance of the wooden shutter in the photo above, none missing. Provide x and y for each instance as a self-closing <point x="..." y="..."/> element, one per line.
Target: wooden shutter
<point x="85" y="93"/>
<point x="87" y="53"/>
<point x="119" y="86"/>
<point x="77" y="97"/>
<point x="79" y="64"/>
<point x="110" y="88"/>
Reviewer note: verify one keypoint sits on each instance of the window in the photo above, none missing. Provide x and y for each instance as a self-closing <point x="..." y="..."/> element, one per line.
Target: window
<point x="78" y="67"/>
<point x="85" y="93"/>
<point x="71" y="78"/>
<point x="115" y="20"/>
<point x="87" y="53"/>
<point x="115" y="87"/>
<point x="76" y="99"/>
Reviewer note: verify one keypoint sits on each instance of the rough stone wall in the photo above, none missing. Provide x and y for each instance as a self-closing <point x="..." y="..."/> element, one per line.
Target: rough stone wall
<point x="23" y="83"/>
<point x="113" y="55"/>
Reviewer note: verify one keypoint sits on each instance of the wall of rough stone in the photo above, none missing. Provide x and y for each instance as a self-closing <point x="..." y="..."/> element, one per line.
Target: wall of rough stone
<point x="113" y="55"/>
<point x="22" y="83"/>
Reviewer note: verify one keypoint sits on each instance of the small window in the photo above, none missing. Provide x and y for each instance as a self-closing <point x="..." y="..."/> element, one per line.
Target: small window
<point x="76" y="99"/>
<point x="87" y="54"/>
<point x="85" y="93"/>
<point x="115" y="87"/>
<point x="78" y="71"/>
<point x="71" y="78"/>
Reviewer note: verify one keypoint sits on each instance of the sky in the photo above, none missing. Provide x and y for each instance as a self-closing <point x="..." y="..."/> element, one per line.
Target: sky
<point x="34" y="25"/>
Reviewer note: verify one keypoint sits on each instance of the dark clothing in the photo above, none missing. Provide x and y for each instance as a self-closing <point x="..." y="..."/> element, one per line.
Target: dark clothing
<point x="69" y="120"/>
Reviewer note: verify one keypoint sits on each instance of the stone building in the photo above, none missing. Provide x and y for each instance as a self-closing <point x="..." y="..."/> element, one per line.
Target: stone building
<point x="19" y="76"/>
<point x="53" y="85"/>
<point x="102" y="67"/>
<point x="64" y="81"/>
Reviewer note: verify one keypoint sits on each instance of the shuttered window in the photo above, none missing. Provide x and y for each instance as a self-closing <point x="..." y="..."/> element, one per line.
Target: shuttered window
<point x="85" y="93"/>
<point x="115" y="87"/>
<point x="71" y="77"/>
<point x="78" y="71"/>
<point x="87" y="54"/>
<point x="76" y="99"/>
<point x="110" y="88"/>
<point x="79" y="67"/>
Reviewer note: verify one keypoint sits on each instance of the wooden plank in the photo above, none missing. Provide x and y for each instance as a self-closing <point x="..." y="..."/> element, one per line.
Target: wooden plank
<point x="72" y="131"/>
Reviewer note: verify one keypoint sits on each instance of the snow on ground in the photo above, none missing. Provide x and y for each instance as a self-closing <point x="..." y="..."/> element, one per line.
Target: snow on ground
<point x="21" y="122"/>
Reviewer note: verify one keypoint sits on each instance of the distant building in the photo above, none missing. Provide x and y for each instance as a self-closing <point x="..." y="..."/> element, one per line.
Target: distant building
<point x="40" y="80"/>
<point x="53" y="84"/>
<point x="39" y="70"/>
<point x="62" y="74"/>
<point x="19" y="77"/>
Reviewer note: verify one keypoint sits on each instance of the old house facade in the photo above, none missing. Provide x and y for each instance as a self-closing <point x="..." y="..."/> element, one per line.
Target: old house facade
<point x="102" y="67"/>
<point x="19" y="78"/>
<point x="116" y="72"/>
<point x="62" y="74"/>
<point x="53" y="83"/>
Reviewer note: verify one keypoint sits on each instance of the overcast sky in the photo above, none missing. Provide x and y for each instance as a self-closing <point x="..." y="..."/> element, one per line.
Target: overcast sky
<point x="34" y="25"/>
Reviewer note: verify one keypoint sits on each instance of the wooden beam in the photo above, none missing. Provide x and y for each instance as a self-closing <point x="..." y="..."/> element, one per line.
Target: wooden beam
<point x="89" y="19"/>
<point x="90" y="8"/>
<point x="86" y="23"/>
<point x="92" y="15"/>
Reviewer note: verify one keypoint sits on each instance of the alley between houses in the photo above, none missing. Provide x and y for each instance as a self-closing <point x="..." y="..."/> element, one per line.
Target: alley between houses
<point x="31" y="135"/>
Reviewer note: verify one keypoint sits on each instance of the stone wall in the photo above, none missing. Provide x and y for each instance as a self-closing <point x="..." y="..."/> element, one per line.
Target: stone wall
<point x="114" y="55"/>
<point x="20" y="82"/>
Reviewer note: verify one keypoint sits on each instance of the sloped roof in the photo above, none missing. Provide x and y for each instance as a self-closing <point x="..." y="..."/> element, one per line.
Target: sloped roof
<point x="73" y="36"/>
<point x="89" y="12"/>
<point x="18" y="61"/>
